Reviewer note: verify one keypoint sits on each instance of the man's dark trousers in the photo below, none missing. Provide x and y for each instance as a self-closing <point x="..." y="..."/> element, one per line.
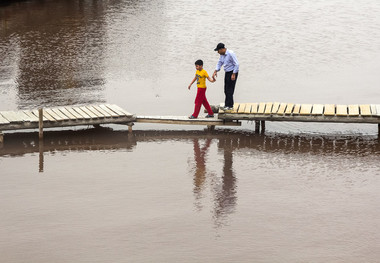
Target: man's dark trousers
<point x="229" y="88"/>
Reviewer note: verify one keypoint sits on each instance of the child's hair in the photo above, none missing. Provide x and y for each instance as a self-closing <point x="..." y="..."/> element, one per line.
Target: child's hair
<point x="199" y="62"/>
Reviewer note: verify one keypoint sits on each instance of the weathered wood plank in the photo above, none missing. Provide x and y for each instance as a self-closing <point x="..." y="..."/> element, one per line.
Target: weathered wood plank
<point x="235" y="108"/>
<point x="353" y="110"/>
<point x="52" y="114"/>
<point x="103" y="112"/>
<point x="11" y="116"/>
<point x="306" y="109"/>
<point x="116" y="110"/>
<point x="242" y="107"/>
<point x="122" y="110"/>
<point x="35" y="113"/>
<point x="275" y="107"/>
<point x="248" y="107"/>
<point x="112" y="113"/>
<point x="93" y="110"/>
<point x="254" y="108"/>
<point x="341" y="110"/>
<point x="365" y="110"/>
<point x="268" y="108"/>
<point x="74" y="113"/>
<point x="67" y="113"/>
<point x="296" y="109"/>
<point x="373" y="110"/>
<point x="261" y="109"/>
<point x="281" y="109"/>
<point x="329" y="110"/>
<point x="377" y="110"/>
<point x="89" y="113"/>
<point x="317" y="109"/>
<point x="33" y="117"/>
<point x="60" y="114"/>
<point x="26" y="117"/>
<point x="82" y="113"/>
<point x="289" y="108"/>
<point x="3" y="120"/>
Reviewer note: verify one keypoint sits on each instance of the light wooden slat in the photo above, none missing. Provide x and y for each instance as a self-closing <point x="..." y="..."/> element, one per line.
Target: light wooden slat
<point x="254" y="108"/>
<point x="112" y="113"/>
<point x="281" y="109"/>
<point x="221" y="107"/>
<point x="275" y="107"/>
<point x="248" y="107"/>
<point x="33" y="117"/>
<point x="306" y="109"/>
<point x="296" y="109"/>
<point x="242" y="108"/>
<point x="74" y="113"/>
<point x="89" y="113"/>
<point x="317" y="109"/>
<point x="373" y="110"/>
<point x="60" y="114"/>
<point x="82" y="113"/>
<point x="289" y="108"/>
<point x="44" y="116"/>
<point x="365" y="110"/>
<point x="268" y="108"/>
<point x="329" y="110"/>
<point x="353" y="110"/>
<point x="103" y="112"/>
<point x="235" y="108"/>
<point x="93" y="110"/>
<point x="377" y="110"/>
<point x="3" y="120"/>
<point x="11" y="116"/>
<point x="116" y="110"/>
<point x="53" y="114"/>
<point x="21" y="116"/>
<point x="122" y="110"/>
<point x="261" y="108"/>
<point x="25" y="117"/>
<point x="341" y="110"/>
<point x="67" y="113"/>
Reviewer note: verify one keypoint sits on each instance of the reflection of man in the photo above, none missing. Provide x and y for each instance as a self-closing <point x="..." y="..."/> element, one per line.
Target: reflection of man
<point x="231" y="66"/>
<point x="200" y="161"/>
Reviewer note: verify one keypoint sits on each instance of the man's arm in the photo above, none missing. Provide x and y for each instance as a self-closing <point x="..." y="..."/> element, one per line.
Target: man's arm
<point x="194" y="79"/>
<point x="236" y="66"/>
<point x="218" y="67"/>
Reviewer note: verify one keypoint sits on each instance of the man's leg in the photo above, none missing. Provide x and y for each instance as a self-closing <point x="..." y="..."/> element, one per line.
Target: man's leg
<point x="229" y="89"/>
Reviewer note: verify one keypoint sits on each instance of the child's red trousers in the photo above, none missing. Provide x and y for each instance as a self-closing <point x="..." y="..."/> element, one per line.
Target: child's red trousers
<point x="200" y="100"/>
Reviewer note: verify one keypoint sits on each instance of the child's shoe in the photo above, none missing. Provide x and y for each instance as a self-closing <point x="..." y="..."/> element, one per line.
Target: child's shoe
<point x="209" y="116"/>
<point x="192" y="117"/>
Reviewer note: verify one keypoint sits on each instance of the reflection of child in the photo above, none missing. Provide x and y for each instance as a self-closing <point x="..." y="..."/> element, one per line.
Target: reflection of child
<point x="200" y="76"/>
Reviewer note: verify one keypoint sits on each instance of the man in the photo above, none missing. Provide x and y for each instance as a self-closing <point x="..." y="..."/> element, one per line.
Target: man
<point x="231" y="66"/>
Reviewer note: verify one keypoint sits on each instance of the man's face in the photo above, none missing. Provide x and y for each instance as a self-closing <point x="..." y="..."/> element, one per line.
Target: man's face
<point x="222" y="51"/>
<point x="199" y="67"/>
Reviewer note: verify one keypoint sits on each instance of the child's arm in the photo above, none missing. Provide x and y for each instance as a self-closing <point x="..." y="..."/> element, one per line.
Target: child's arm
<point x="211" y="79"/>
<point x="194" y="79"/>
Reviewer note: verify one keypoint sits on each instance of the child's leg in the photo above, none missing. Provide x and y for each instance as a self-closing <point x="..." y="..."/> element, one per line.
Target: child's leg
<point x="197" y="108"/>
<point x="198" y="102"/>
<point x="207" y="105"/>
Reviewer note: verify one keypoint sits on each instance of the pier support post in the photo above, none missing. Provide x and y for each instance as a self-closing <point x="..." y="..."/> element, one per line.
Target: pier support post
<point x="40" y="123"/>
<point x="130" y="124"/>
<point x="210" y="127"/>
<point x="41" y="156"/>
<point x="378" y="129"/>
<point x="1" y="137"/>
<point x="262" y="126"/>
<point x="257" y="126"/>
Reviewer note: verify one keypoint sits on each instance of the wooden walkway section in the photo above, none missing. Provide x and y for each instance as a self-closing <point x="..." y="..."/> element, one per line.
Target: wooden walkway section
<point x="65" y="117"/>
<point x="368" y="113"/>
<point x="184" y="120"/>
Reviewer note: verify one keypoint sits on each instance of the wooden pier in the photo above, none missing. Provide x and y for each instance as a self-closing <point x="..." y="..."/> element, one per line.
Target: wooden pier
<point x="95" y="115"/>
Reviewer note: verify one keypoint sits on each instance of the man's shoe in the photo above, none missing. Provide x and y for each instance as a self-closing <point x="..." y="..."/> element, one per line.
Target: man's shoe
<point x="192" y="117"/>
<point x="209" y="116"/>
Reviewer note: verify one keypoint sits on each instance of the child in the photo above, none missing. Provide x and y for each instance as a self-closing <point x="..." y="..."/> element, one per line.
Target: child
<point x="200" y="76"/>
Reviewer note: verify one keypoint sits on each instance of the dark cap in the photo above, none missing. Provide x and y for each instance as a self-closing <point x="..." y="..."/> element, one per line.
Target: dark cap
<point x="219" y="46"/>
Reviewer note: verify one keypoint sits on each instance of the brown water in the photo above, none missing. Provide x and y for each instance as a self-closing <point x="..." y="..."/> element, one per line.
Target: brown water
<point x="299" y="193"/>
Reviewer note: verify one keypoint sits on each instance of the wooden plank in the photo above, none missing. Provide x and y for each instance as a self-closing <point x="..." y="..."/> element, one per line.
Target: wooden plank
<point x="3" y="120"/>
<point x="67" y="113"/>
<point x="261" y="109"/>
<point x="329" y="110"/>
<point x="268" y="108"/>
<point x="254" y="108"/>
<point x="281" y="109"/>
<point x="116" y="110"/>
<point x="89" y="113"/>
<point x="353" y="110"/>
<point x="306" y="109"/>
<point x="60" y="114"/>
<point x="235" y="108"/>
<point x="296" y="109"/>
<point x="93" y="110"/>
<point x="377" y="110"/>
<point x="242" y="108"/>
<point x="44" y="118"/>
<point x="74" y="113"/>
<point x="12" y="116"/>
<point x="248" y="107"/>
<point x="112" y="113"/>
<point x="341" y="110"/>
<point x="317" y="109"/>
<point x="82" y="113"/>
<point x="33" y="117"/>
<point x="365" y="110"/>
<point x="122" y="110"/>
<point x="53" y="114"/>
<point x="275" y="107"/>
<point x="289" y="108"/>
<point x="373" y="110"/>
<point x="103" y="112"/>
